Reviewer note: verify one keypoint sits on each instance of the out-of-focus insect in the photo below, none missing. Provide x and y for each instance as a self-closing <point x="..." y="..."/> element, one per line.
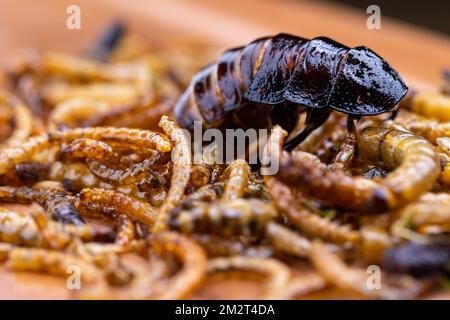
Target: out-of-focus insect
<point x="271" y="79"/>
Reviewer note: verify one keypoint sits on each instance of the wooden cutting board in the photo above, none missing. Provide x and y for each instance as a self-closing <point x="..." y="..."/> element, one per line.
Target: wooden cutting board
<point x="418" y="55"/>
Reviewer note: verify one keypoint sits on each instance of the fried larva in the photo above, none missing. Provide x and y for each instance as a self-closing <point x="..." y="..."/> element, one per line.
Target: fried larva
<point x="311" y="224"/>
<point x="135" y="209"/>
<point x="132" y="137"/>
<point x="70" y="113"/>
<point x="55" y="202"/>
<point x="308" y="174"/>
<point x="237" y="176"/>
<point x="23" y="121"/>
<point x="429" y="104"/>
<point x="181" y="157"/>
<point x="276" y="273"/>
<point x="428" y="128"/>
<point x="414" y="162"/>
<point x="193" y="264"/>
<point x="225" y="218"/>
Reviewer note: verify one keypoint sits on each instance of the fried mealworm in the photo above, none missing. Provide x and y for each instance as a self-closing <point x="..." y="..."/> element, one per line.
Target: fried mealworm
<point x="414" y="162"/>
<point x="277" y="274"/>
<point x="181" y="157"/>
<point x="237" y="176"/>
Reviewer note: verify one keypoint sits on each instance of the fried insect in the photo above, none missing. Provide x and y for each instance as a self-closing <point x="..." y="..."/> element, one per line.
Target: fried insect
<point x="9" y="157"/>
<point x="226" y="218"/>
<point x="429" y="104"/>
<point x="87" y="148"/>
<point x="53" y="262"/>
<point x="428" y="128"/>
<point x="418" y="260"/>
<point x="22" y="117"/>
<point x="193" y="264"/>
<point x="19" y="229"/>
<point x="282" y="72"/>
<point x="200" y="175"/>
<point x="286" y="240"/>
<point x="142" y="115"/>
<point x="130" y="175"/>
<point x="443" y="148"/>
<point x="55" y="202"/>
<point x="217" y="246"/>
<point x="431" y="209"/>
<point x="133" y="137"/>
<point x="70" y="113"/>
<point x="276" y="273"/>
<point x="122" y="203"/>
<point x="310" y="223"/>
<point x="344" y="157"/>
<point x="335" y="271"/>
<point x="181" y="157"/>
<point x="414" y="160"/>
<point x="297" y="214"/>
<point x="309" y="175"/>
<point x="57" y="235"/>
<point x="237" y="175"/>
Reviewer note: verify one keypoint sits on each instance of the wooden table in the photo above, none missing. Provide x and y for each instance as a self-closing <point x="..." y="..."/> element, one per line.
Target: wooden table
<point x="417" y="54"/>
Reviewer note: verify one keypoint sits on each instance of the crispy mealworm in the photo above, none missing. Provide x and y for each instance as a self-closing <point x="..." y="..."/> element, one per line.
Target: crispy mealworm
<point x="193" y="264"/>
<point x="181" y="157"/>
<point x="237" y="175"/>
<point x="277" y="274"/>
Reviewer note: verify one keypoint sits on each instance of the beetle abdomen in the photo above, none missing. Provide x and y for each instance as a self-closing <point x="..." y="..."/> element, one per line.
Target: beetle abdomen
<point x="220" y="87"/>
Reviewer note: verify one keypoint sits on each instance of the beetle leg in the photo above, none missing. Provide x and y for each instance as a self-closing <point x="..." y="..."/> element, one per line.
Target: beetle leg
<point x="393" y="114"/>
<point x="314" y="119"/>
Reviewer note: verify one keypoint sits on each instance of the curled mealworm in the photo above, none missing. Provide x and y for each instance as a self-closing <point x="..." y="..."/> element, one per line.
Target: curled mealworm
<point x="276" y="273"/>
<point x="193" y="264"/>
<point x="238" y="174"/>
<point x="23" y="121"/>
<point x="414" y="160"/>
<point x="181" y="157"/>
<point x="68" y="114"/>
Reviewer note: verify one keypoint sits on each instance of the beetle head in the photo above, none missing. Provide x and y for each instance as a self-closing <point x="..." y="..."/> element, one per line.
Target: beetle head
<point x="365" y="84"/>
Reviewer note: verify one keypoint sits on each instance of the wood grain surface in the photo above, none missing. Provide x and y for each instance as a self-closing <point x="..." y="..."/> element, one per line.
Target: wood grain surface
<point x="419" y="55"/>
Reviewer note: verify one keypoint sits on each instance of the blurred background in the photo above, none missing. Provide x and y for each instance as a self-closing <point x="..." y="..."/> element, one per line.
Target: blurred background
<point x="414" y="35"/>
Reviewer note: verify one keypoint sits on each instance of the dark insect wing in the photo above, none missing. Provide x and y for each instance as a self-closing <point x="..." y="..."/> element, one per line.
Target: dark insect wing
<point x="277" y="64"/>
<point x="366" y="84"/>
<point x="311" y="83"/>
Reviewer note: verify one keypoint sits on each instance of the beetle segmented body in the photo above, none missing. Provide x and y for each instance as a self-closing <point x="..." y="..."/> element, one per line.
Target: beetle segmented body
<point x="286" y="70"/>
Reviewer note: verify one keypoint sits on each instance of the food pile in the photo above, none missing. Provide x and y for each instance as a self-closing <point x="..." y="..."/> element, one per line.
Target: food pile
<point x="95" y="173"/>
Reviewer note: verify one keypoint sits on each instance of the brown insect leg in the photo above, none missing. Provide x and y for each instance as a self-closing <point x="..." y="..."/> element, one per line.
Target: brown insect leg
<point x="314" y="119"/>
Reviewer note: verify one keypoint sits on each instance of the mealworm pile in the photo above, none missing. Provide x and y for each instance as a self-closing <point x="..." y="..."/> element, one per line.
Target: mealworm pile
<point x="88" y="144"/>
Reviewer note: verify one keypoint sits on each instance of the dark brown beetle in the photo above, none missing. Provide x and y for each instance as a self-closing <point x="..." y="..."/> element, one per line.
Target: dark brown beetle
<point x="277" y="77"/>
